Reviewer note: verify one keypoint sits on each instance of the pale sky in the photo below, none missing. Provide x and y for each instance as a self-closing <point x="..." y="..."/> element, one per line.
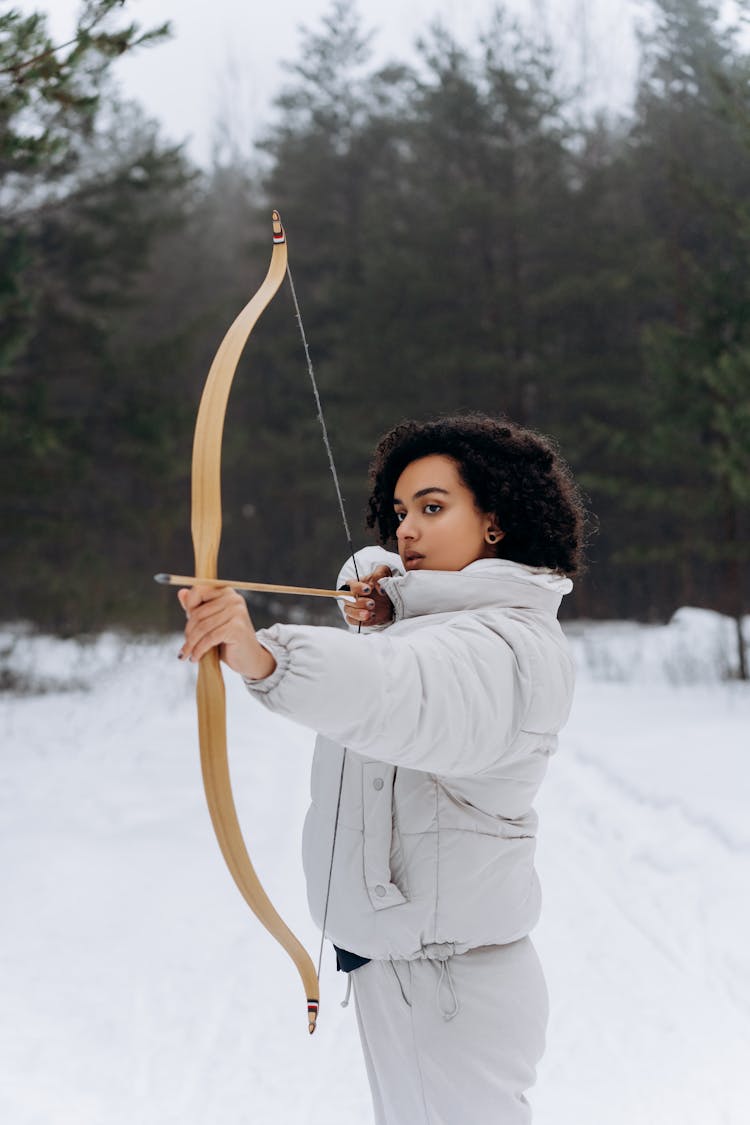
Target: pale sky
<point x="224" y="59"/>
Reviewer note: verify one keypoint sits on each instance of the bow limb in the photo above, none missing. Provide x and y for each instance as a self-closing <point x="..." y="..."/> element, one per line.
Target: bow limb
<point x="211" y="699"/>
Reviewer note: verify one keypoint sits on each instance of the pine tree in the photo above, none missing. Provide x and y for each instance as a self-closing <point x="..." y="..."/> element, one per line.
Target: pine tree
<point x="694" y="107"/>
<point x="88" y="189"/>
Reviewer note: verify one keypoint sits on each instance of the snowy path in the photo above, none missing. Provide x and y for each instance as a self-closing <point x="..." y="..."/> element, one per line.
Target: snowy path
<point x="644" y="935"/>
<point x="138" y="990"/>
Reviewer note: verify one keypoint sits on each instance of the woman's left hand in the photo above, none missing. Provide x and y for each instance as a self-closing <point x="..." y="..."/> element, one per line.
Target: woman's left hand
<point x="218" y="617"/>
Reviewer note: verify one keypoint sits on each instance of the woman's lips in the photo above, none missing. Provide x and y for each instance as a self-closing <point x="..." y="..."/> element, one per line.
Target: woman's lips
<point x="412" y="559"/>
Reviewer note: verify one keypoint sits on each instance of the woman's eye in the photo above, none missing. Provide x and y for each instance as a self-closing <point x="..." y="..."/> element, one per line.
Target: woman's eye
<point x="429" y="509"/>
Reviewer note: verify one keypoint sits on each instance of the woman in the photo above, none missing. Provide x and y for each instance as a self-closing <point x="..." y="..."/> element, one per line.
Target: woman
<point x="442" y="718"/>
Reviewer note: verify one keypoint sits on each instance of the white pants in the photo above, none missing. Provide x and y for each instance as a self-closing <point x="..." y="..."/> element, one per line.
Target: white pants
<point x="453" y="1043"/>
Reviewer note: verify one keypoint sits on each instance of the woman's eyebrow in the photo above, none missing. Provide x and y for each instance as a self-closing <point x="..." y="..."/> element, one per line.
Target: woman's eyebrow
<point x="423" y="492"/>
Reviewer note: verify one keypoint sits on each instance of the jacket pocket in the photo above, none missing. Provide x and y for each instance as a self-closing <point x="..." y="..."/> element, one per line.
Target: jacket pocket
<point x="377" y="815"/>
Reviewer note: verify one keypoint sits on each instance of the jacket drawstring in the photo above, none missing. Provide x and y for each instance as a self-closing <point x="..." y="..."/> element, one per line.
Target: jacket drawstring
<point x="453" y="1010"/>
<point x="442" y="951"/>
<point x="447" y="1010"/>
<point x="400" y="985"/>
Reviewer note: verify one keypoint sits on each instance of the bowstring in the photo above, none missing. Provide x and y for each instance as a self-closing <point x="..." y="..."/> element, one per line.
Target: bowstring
<point x="321" y="419"/>
<point x="342" y="510"/>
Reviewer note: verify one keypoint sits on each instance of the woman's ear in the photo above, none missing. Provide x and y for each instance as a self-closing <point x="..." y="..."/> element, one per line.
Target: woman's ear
<point x="492" y="535"/>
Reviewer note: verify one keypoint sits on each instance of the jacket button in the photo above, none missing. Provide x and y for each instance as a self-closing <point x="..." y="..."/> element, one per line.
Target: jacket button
<point x="377" y="783"/>
<point x="380" y="890"/>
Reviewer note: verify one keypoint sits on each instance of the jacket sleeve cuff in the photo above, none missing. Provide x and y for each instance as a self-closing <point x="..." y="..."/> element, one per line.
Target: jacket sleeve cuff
<point x="280" y="654"/>
<point x="367" y="559"/>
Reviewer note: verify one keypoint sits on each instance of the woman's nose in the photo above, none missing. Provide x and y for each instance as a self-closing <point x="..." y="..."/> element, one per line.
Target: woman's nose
<point x="405" y="529"/>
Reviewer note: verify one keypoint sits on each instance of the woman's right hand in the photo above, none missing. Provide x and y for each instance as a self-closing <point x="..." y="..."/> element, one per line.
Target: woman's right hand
<point x="370" y="607"/>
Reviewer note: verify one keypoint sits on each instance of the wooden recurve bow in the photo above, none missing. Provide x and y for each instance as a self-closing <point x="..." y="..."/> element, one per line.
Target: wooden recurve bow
<point x="206" y="531"/>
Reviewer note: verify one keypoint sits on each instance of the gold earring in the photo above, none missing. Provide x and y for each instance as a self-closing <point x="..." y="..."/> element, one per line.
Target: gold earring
<point x="492" y="537"/>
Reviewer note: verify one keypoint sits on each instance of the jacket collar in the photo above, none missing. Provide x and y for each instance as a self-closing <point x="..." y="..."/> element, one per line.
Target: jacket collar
<point x="483" y="584"/>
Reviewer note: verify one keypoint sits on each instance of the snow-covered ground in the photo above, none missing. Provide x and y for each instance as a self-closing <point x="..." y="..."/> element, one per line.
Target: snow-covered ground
<point x="137" y="989"/>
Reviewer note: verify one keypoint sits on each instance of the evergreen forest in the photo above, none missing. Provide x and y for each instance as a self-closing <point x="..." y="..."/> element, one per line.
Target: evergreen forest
<point x="461" y="236"/>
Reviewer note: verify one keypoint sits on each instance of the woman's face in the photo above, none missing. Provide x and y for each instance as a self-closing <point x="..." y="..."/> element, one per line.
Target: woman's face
<point x="439" y="524"/>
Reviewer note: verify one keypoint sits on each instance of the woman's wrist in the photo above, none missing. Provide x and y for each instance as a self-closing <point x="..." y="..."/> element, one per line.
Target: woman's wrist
<point x="258" y="664"/>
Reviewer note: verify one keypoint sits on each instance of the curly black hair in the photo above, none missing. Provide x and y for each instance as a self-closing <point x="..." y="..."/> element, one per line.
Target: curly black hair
<point x="514" y="473"/>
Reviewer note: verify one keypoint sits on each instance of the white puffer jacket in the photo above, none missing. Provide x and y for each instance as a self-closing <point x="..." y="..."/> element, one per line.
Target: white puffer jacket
<point x="449" y="716"/>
